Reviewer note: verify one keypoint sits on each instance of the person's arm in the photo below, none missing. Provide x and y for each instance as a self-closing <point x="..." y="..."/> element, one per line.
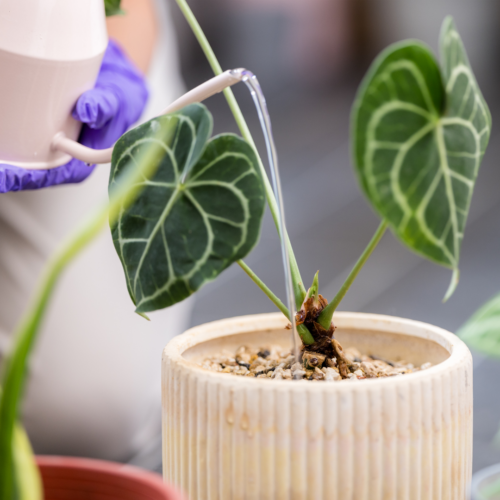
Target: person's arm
<point x="136" y="31"/>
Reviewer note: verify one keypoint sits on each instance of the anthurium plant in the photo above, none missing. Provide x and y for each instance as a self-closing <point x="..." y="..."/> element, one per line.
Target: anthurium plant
<point x="419" y="131"/>
<point x="184" y="205"/>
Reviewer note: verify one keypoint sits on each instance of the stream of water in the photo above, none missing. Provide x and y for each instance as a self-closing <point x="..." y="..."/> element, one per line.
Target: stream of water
<point x="253" y="85"/>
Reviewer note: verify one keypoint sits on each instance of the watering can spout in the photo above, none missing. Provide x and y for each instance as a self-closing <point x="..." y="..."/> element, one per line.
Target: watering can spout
<point x="205" y="90"/>
<point x="213" y="86"/>
<point x="76" y="150"/>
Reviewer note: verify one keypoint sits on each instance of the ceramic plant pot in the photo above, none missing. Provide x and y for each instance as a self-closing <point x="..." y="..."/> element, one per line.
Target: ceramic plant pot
<point x="486" y="484"/>
<point x="66" y="478"/>
<point x="398" y="438"/>
<point x="50" y="53"/>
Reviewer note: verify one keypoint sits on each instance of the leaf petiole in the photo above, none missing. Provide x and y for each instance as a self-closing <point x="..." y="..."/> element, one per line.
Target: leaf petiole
<point x="325" y="318"/>
<point x="298" y="287"/>
<point x="302" y="330"/>
<point x="272" y="297"/>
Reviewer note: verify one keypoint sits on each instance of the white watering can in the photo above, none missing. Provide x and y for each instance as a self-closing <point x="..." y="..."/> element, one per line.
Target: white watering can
<point x="50" y="53"/>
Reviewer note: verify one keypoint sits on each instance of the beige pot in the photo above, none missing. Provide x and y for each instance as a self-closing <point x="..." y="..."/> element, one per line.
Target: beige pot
<point x="398" y="438"/>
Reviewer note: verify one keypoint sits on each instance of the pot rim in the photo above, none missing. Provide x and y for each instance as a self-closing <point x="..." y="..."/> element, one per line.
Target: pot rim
<point x="457" y="349"/>
<point x="140" y="476"/>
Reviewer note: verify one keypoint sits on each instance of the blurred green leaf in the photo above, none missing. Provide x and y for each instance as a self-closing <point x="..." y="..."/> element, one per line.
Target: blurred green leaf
<point x="482" y="331"/>
<point x="419" y="135"/>
<point x="113" y="7"/>
<point x="200" y="212"/>
<point x="23" y="476"/>
<point x="15" y="362"/>
<point x="28" y="480"/>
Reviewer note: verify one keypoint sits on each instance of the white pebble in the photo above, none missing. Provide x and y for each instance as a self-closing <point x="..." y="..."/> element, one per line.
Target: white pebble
<point x="298" y="374"/>
<point x="331" y="375"/>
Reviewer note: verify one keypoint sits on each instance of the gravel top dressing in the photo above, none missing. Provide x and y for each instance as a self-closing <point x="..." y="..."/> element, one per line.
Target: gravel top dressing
<point x="274" y="362"/>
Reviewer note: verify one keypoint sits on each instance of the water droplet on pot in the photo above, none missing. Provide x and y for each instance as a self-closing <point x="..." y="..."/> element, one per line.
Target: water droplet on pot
<point x="244" y="422"/>
<point x="230" y="416"/>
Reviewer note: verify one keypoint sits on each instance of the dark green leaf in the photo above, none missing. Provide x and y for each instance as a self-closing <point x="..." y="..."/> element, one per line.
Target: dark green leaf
<point x="419" y="135"/>
<point x="482" y="330"/>
<point x="200" y="212"/>
<point x="112" y="7"/>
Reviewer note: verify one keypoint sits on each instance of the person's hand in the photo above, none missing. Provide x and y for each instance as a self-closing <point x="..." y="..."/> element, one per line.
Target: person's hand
<point x="107" y="111"/>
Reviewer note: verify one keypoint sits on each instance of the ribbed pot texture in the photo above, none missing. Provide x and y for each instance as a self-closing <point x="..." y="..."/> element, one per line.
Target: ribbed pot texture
<point x="400" y="438"/>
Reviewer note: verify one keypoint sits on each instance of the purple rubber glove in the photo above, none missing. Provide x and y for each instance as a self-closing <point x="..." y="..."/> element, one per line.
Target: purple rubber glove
<point x="107" y="110"/>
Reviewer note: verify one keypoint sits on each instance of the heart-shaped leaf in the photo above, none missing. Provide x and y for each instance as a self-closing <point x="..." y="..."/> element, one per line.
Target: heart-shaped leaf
<point x="482" y="330"/>
<point x="419" y="135"/>
<point x="199" y="213"/>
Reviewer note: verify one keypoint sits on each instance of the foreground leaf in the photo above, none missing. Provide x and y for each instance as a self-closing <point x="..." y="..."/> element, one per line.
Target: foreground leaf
<point x="16" y="360"/>
<point x="419" y="135"/>
<point x="28" y="480"/>
<point x="23" y="476"/>
<point x="482" y="330"/>
<point x="200" y="212"/>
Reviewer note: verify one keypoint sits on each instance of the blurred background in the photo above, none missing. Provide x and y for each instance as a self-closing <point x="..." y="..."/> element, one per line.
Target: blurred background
<point x="310" y="56"/>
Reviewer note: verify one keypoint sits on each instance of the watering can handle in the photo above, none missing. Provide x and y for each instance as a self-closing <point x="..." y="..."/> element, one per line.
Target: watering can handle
<point x="198" y="94"/>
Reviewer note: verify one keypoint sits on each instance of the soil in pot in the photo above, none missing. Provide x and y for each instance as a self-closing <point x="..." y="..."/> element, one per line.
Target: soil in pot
<point x="322" y="360"/>
<point x="275" y="362"/>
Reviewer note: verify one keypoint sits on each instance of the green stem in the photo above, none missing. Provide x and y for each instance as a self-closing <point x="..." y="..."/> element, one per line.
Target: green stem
<point x="314" y="290"/>
<point x="305" y="334"/>
<point x="298" y="287"/>
<point x="325" y="318"/>
<point x="302" y="330"/>
<point x="14" y="369"/>
<point x="275" y="300"/>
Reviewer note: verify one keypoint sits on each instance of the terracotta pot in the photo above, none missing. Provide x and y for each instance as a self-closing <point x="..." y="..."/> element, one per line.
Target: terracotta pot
<point x="68" y="478"/>
<point x="399" y="438"/>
